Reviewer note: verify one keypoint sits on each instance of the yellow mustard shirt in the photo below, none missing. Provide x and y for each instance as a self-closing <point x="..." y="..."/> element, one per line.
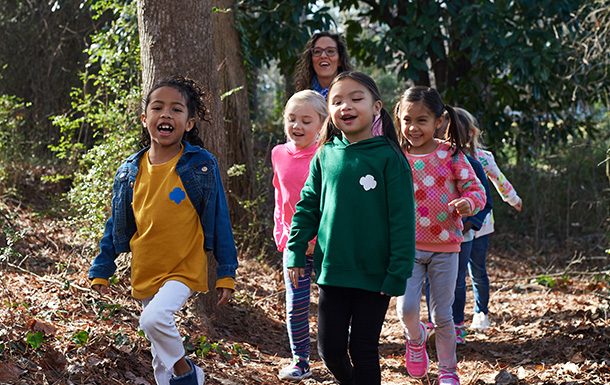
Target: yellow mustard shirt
<point x="168" y="243"/>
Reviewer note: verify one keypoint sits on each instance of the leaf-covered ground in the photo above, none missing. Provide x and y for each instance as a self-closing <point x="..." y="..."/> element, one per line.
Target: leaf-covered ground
<point x="54" y="330"/>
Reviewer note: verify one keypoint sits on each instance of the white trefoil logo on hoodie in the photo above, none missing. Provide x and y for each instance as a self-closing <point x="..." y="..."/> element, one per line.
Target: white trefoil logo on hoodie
<point x="368" y="182"/>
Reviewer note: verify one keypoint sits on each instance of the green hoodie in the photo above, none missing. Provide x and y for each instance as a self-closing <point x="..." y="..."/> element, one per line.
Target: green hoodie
<point x="358" y="199"/>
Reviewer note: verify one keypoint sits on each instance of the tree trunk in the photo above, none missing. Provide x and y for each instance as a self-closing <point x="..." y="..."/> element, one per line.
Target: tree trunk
<point x="236" y="118"/>
<point x="177" y="39"/>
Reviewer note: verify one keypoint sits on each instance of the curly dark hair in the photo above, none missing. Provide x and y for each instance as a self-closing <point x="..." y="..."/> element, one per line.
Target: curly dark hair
<point x="193" y="95"/>
<point x="304" y="73"/>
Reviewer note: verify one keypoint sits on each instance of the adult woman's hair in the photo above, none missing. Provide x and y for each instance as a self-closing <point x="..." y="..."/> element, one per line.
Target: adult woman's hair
<point x="304" y="73"/>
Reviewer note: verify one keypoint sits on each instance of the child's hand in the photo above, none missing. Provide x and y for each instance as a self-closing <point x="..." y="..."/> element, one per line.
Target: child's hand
<point x="102" y="289"/>
<point x="224" y="295"/>
<point x="467" y="227"/>
<point x="462" y="206"/>
<point x="518" y="206"/>
<point x="294" y="273"/>
<point x="310" y="247"/>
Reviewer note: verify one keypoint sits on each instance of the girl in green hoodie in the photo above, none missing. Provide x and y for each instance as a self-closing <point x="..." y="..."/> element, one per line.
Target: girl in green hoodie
<point x="358" y="199"/>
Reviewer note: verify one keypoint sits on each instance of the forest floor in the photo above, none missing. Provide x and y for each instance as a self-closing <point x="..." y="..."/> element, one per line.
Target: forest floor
<point x="55" y="330"/>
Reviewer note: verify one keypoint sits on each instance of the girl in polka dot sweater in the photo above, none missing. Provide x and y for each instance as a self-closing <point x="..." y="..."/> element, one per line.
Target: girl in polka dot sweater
<point x="446" y="189"/>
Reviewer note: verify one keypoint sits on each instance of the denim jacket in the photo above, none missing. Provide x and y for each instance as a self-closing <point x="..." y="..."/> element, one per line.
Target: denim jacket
<point x="200" y="176"/>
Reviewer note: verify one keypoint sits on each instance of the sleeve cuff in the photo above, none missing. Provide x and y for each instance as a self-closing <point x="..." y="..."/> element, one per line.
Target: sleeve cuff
<point x="225" y="283"/>
<point x="100" y="281"/>
<point x="513" y="201"/>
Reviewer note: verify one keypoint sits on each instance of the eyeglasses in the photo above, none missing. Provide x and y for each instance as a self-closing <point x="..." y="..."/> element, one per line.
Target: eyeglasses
<point x="330" y="51"/>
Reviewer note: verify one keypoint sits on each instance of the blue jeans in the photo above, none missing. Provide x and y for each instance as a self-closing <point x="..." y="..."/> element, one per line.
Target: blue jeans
<point x="478" y="274"/>
<point x="460" y="285"/>
<point x="473" y="256"/>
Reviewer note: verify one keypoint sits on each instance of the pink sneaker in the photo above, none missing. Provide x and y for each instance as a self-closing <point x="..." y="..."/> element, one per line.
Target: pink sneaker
<point x="448" y="378"/>
<point x="416" y="357"/>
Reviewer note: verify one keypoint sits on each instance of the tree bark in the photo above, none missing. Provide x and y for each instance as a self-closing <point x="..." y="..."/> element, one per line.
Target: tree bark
<point x="236" y="118"/>
<point x="177" y="39"/>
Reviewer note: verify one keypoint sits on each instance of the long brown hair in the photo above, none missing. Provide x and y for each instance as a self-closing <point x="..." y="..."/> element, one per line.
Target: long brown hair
<point x="304" y="72"/>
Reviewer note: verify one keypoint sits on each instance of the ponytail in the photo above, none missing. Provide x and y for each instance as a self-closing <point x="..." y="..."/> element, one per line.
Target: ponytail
<point x="456" y="133"/>
<point x="432" y="100"/>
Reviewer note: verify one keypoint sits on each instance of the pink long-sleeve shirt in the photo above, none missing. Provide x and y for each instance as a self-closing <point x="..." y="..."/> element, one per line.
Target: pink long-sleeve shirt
<point x="438" y="178"/>
<point x="290" y="171"/>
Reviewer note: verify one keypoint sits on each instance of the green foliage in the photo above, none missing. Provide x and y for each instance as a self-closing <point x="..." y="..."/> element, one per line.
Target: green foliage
<point x="506" y="62"/>
<point x="40" y="54"/>
<point x="80" y="338"/>
<point x="565" y="196"/>
<point x="15" y="145"/>
<point x="10" y="235"/>
<point x="259" y="22"/>
<point x="105" y="310"/>
<point x="34" y="339"/>
<point x="206" y="347"/>
<point x="552" y="282"/>
<point x="102" y="128"/>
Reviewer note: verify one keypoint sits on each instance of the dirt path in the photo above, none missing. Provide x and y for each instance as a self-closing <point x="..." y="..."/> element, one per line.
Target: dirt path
<point x="54" y="330"/>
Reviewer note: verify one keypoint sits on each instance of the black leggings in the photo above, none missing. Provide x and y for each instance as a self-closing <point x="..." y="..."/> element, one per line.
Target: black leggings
<point x="338" y="308"/>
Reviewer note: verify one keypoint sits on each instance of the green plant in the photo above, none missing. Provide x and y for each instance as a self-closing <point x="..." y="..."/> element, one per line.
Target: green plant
<point x="206" y="347"/>
<point x="106" y="310"/>
<point x="80" y="338"/>
<point x="102" y="129"/>
<point x="15" y="145"/>
<point x="34" y="339"/>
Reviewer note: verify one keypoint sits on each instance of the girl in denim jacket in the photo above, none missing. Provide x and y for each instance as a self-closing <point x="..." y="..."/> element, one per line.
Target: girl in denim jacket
<point x="169" y="209"/>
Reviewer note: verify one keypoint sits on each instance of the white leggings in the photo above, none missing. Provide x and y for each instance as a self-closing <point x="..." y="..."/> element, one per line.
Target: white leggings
<point x="158" y="323"/>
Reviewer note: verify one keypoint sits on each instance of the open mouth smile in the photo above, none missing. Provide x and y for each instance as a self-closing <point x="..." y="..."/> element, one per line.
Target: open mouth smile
<point x="165" y="129"/>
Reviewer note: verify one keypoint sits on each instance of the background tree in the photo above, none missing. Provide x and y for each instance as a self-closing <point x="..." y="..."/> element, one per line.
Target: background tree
<point x="180" y="40"/>
<point x="234" y="96"/>
<point x="507" y="62"/>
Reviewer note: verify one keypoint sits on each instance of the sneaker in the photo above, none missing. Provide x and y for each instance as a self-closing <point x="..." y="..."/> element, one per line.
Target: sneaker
<point x="480" y="321"/>
<point x="448" y="378"/>
<point x="194" y="377"/>
<point x="297" y="370"/>
<point x="416" y="357"/>
<point x="460" y="334"/>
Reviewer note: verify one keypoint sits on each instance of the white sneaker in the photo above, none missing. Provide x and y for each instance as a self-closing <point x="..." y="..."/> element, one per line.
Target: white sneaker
<point x="480" y="321"/>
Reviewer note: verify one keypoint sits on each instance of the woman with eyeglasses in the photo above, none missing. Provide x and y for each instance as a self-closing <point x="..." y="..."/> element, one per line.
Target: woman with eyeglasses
<point x="324" y="57"/>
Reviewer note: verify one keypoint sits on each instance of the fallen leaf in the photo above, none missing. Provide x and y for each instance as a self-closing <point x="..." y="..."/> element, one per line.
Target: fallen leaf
<point x="9" y="372"/>
<point x="40" y="326"/>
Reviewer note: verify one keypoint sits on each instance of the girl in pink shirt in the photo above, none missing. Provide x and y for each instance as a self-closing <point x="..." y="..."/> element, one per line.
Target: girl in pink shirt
<point x="446" y="189"/>
<point x="303" y="117"/>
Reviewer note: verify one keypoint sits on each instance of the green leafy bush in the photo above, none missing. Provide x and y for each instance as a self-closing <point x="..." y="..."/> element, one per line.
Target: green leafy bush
<point x="15" y="148"/>
<point x="102" y="129"/>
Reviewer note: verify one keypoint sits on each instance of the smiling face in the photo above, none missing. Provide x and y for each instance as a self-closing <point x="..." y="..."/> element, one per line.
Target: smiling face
<point x="166" y="119"/>
<point x="302" y="124"/>
<point x="352" y="109"/>
<point x="418" y="124"/>
<point x="325" y="66"/>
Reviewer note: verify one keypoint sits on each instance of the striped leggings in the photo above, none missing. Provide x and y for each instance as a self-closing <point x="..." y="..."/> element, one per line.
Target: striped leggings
<point x="297" y="311"/>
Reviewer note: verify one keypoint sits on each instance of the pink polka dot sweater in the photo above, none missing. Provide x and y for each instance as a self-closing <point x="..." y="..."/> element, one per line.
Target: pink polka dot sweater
<point x="438" y="178"/>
